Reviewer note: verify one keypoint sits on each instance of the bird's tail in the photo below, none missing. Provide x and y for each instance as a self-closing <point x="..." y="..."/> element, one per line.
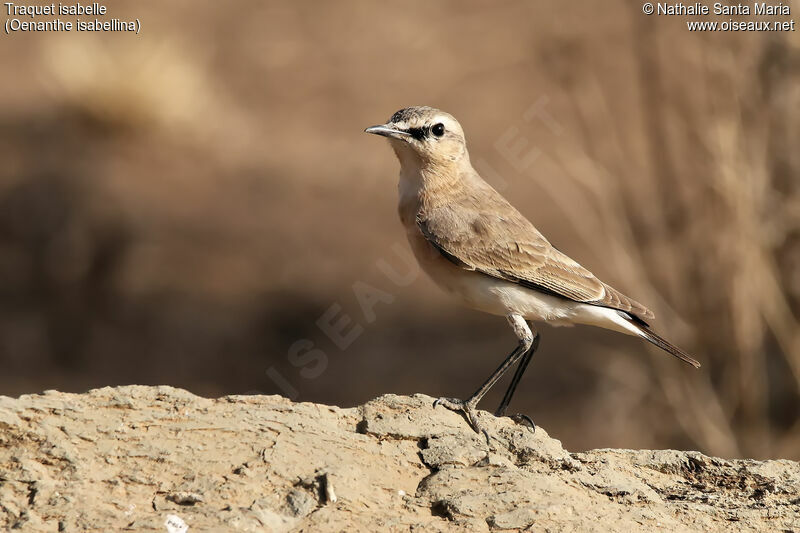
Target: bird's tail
<point x="652" y="337"/>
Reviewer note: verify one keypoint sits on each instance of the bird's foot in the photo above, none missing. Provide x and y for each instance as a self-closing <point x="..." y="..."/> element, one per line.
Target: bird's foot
<point x="468" y="410"/>
<point x="523" y="420"/>
<point x="519" y="418"/>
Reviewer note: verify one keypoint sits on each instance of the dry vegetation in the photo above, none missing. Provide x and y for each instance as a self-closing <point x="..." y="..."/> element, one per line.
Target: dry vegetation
<point x="181" y="207"/>
<point x="714" y="244"/>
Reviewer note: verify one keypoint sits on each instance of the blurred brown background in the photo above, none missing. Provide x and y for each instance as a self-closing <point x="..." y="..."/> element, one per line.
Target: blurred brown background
<point x="181" y="207"/>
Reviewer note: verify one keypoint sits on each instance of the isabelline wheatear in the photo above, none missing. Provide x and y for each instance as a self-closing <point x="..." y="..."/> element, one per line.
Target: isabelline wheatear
<point x="481" y="250"/>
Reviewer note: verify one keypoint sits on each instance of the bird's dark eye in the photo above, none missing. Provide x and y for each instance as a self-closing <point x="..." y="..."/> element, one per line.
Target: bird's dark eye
<point x="438" y="129"/>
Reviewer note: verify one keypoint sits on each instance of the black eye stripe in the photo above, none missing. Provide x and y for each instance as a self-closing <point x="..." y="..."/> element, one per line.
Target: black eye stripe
<point x="419" y="133"/>
<point x="425" y="131"/>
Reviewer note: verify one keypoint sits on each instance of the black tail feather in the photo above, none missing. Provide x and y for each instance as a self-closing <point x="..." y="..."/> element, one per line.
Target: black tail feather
<point x="662" y="343"/>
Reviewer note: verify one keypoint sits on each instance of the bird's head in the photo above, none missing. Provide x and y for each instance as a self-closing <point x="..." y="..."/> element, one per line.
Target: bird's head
<point x="425" y="136"/>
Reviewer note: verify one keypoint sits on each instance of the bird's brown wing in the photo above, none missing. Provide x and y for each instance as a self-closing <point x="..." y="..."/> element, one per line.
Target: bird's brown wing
<point x="500" y="242"/>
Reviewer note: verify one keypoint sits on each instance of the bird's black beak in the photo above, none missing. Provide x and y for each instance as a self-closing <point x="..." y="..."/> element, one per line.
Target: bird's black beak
<point x="388" y="131"/>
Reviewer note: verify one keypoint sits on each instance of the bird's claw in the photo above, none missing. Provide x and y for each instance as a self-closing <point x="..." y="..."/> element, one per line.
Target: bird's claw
<point x="454" y="404"/>
<point x="468" y="410"/>
<point x="518" y="418"/>
<point x="524" y="420"/>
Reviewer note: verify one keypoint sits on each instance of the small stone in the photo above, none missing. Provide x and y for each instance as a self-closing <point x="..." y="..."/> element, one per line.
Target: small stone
<point x="184" y="498"/>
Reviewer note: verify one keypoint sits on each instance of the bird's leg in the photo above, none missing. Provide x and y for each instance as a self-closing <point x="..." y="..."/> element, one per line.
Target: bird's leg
<point x="468" y="407"/>
<point x="523" y="364"/>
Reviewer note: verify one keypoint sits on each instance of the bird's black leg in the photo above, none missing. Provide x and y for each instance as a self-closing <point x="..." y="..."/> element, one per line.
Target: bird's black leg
<point x="523" y="364"/>
<point x="526" y="340"/>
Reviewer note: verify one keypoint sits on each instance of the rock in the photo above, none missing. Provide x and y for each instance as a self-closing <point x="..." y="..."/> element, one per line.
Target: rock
<point x="153" y="458"/>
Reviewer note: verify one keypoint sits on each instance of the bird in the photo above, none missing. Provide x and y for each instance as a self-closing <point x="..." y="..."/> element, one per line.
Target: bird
<point x="484" y="253"/>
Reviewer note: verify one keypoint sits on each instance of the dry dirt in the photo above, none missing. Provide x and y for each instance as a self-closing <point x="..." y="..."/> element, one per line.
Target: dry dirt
<point x="132" y="458"/>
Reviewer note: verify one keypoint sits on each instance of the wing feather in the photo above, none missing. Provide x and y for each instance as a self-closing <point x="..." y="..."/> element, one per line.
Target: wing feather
<point x="501" y="243"/>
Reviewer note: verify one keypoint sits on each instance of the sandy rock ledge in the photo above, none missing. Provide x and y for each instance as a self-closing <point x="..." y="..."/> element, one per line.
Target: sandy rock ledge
<point x="130" y="458"/>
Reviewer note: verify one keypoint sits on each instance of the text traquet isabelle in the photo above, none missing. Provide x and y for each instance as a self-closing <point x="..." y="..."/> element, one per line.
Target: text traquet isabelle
<point x="94" y="8"/>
